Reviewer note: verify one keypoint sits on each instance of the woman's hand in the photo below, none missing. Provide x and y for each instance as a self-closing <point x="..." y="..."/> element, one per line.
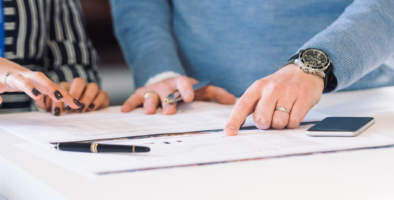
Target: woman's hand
<point x="90" y="97"/>
<point x="15" y="78"/>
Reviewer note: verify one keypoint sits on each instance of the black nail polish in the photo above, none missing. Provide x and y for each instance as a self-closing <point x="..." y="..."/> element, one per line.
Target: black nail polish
<point x="56" y="112"/>
<point x="77" y="103"/>
<point x="68" y="107"/>
<point x="45" y="100"/>
<point x="58" y="95"/>
<point x="91" y="106"/>
<point x="82" y="107"/>
<point x="35" y="92"/>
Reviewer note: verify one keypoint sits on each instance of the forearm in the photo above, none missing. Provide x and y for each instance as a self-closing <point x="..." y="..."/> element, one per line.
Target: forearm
<point x="359" y="41"/>
<point x="144" y="31"/>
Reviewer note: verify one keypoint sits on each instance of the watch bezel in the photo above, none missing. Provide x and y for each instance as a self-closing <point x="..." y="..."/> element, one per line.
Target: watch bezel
<point x="311" y="67"/>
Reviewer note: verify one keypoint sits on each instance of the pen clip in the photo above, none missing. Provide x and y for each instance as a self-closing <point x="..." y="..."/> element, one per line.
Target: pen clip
<point x="173" y="97"/>
<point x="176" y="95"/>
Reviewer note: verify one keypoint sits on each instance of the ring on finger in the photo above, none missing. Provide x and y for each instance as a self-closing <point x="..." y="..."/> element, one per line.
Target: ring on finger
<point x="147" y="94"/>
<point x="6" y="74"/>
<point x="282" y="109"/>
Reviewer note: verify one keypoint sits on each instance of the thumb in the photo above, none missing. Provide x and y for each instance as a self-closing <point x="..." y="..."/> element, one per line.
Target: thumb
<point x="44" y="103"/>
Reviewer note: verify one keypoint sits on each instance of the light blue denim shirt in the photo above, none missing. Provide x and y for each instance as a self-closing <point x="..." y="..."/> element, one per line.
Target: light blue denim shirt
<point x="236" y="42"/>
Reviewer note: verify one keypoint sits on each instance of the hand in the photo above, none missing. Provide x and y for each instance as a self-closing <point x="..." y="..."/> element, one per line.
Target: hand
<point x="90" y="97"/>
<point x="159" y="91"/>
<point x="34" y="84"/>
<point x="290" y="88"/>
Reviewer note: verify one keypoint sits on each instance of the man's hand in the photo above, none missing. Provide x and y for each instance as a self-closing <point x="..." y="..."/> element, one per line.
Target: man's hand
<point x="290" y="88"/>
<point x="159" y="91"/>
<point x="90" y="97"/>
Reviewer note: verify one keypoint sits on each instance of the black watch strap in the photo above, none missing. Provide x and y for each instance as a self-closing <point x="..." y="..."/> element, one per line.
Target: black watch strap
<point x="292" y="59"/>
<point x="330" y="81"/>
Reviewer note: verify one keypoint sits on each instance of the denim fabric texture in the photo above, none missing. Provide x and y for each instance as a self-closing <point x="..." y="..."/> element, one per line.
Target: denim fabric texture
<point x="235" y="43"/>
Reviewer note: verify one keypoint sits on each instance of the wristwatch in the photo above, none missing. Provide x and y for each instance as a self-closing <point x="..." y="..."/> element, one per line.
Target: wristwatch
<point x="313" y="61"/>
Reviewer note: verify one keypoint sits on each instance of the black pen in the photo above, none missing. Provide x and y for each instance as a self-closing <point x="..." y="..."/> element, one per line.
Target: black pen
<point x="100" y="148"/>
<point x="176" y="96"/>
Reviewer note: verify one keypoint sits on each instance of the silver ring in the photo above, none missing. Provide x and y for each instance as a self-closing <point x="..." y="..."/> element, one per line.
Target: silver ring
<point x="6" y="74"/>
<point x="146" y="94"/>
<point x="282" y="109"/>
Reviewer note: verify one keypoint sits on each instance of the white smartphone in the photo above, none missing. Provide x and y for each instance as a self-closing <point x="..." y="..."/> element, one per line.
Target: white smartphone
<point x="340" y="126"/>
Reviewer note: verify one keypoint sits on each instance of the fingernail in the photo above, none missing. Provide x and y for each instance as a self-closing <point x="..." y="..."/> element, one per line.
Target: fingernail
<point x="77" y="103"/>
<point x="56" y="112"/>
<point x="35" y="92"/>
<point x="68" y="107"/>
<point x="58" y="95"/>
<point x="188" y="93"/>
<point x="91" y="106"/>
<point x="82" y="107"/>
<point x="229" y="130"/>
<point x="45" y="100"/>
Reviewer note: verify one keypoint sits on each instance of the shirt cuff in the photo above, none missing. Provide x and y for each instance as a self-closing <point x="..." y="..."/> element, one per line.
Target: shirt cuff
<point x="161" y="77"/>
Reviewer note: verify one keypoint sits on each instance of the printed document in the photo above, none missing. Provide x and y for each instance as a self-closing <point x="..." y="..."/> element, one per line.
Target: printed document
<point x="211" y="148"/>
<point x="44" y="128"/>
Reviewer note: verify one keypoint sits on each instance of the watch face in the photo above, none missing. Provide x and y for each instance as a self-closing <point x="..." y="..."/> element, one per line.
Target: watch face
<point x="314" y="58"/>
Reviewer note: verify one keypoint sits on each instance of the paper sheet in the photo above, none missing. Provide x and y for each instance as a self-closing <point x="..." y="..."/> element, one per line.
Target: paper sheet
<point x="45" y="128"/>
<point x="210" y="148"/>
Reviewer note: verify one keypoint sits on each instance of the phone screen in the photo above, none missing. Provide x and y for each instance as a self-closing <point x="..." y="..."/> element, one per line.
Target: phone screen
<point x="350" y="124"/>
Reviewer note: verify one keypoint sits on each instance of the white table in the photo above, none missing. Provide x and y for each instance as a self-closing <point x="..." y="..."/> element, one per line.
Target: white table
<point x="364" y="174"/>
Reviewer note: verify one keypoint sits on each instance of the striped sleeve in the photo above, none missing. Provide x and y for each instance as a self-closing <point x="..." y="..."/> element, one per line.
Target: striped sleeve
<point x="70" y="51"/>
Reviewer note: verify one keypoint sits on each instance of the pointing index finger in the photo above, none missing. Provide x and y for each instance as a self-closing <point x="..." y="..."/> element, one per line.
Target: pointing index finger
<point x="241" y="110"/>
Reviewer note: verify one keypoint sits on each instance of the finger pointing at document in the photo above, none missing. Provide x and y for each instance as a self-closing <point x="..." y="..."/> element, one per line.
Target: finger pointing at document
<point x="280" y="100"/>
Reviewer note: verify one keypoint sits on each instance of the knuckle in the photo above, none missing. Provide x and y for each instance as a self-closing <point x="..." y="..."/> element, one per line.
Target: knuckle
<point x="93" y="86"/>
<point x="261" y="120"/>
<point x="89" y="96"/>
<point x="279" y="123"/>
<point x="38" y="75"/>
<point x="183" y="78"/>
<point x="103" y="93"/>
<point x="18" y="76"/>
<point x="243" y="105"/>
<point x="53" y="86"/>
<point x="63" y="84"/>
<point x="280" y="86"/>
<point x="304" y="92"/>
<point x="295" y="120"/>
<point x="162" y="84"/>
<point x="78" y="79"/>
<point x="258" y="84"/>
<point x="139" y="91"/>
<point x="26" y="86"/>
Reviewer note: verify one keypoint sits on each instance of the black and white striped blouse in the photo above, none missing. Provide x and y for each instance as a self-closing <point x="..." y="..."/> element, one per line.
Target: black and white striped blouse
<point x="47" y="36"/>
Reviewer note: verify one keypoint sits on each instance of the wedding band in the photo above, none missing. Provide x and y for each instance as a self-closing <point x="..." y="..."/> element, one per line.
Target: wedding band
<point x="6" y="74"/>
<point x="146" y="94"/>
<point x="282" y="109"/>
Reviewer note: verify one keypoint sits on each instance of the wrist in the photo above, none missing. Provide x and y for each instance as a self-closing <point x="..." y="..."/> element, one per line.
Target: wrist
<point x="309" y="79"/>
<point x="161" y="77"/>
<point x="314" y="61"/>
